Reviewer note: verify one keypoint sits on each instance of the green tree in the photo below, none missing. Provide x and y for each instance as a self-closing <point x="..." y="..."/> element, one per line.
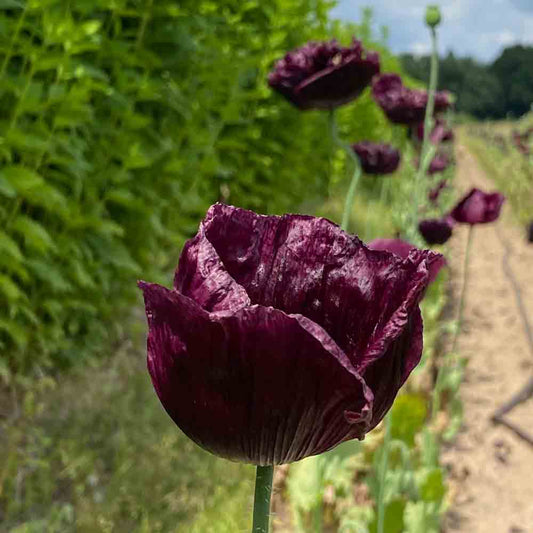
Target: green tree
<point x="514" y="69"/>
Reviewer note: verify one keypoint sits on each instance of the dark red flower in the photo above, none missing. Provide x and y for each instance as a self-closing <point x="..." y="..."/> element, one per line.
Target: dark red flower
<point x="440" y="132"/>
<point x="438" y="164"/>
<point x="478" y="207"/>
<point x="403" y="105"/>
<point x="324" y="75"/>
<point x="433" y="194"/>
<point x="283" y="336"/>
<point x="530" y="232"/>
<point x="403" y="248"/>
<point x="377" y="158"/>
<point x="435" y="230"/>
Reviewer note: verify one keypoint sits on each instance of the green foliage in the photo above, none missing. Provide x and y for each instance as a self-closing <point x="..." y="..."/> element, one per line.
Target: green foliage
<point x="95" y="452"/>
<point x="122" y="122"/>
<point x="514" y="69"/>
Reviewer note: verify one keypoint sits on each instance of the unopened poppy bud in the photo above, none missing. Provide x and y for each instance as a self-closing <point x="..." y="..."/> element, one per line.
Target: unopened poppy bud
<point x="433" y="16"/>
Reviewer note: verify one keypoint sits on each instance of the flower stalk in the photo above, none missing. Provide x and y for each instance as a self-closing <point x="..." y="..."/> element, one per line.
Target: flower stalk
<point x="428" y="149"/>
<point x="462" y="298"/>
<point x="384" y="464"/>
<point x="263" y="492"/>
<point x="356" y="171"/>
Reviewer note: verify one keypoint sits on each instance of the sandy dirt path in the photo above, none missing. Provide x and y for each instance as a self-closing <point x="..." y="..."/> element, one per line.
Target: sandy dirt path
<point x="491" y="469"/>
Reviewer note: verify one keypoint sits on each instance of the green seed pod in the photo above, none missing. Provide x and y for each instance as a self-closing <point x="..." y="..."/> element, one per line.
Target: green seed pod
<point x="433" y="16"/>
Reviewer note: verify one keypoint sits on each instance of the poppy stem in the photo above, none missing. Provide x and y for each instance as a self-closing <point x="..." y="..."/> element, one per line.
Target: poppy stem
<point x="428" y="150"/>
<point x="263" y="492"/>
<point x="356" y="170"/>
<point x="463" y="288"/>
<point x="435" y="407"/>
<point x="384" y="464"/>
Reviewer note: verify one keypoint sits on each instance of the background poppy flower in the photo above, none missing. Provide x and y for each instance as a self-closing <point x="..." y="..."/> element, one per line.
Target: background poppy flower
<point x="324" y="75"/>
<point x="530" y="232"/>
<point x="478" y="207"/>
<point x="403" y="105"/>
<point x="440" y="132"/>
<point x="377" y="158"/>
<point x="435" y="230"/>
<point x="283" y="336"/>
<point x="434" y="193"/>
<point x="403" y="248"/>
<point x="438" y="164"/>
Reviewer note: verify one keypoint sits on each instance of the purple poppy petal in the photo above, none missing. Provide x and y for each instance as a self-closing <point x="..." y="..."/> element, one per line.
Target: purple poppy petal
<point x="433" y="195"/>
<point x="337" y="85"/>
<point x="402" y="249"/>
<point x="256" y="385"/>
<point x="403" y="105"/>
<point x="435" y="231"/>
<point x="309" y="266"/>
<point x="386" y="374"/>
<point x="377" y="158"/>
<point x="324" y="75"/>
<point x="202" y="277"/>
<point x="440" y="133"/>
<point x="438" y="164"/>
<point x="478" y="207"/>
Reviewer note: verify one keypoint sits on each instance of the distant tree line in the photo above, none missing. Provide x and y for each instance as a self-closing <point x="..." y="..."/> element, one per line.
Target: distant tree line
<point x="495" y="90"/>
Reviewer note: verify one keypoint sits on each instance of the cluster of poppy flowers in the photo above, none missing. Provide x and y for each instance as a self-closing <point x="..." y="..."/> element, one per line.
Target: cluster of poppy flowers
<point x="285" y="336"/>
<point x="521" y="141"/>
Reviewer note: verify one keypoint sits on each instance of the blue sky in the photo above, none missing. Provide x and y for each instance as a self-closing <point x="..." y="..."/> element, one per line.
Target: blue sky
<point x="479" y="28"/>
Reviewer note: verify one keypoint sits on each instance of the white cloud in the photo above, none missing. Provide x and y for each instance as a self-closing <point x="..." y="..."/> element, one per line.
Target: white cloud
<point x="420" y="48"/>
<point x="480" y="28"/>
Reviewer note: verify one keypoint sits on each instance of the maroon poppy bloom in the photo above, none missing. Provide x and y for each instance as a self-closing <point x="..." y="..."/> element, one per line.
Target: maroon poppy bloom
<point x="403" y="248"/>
<point x="433" y="194"/>
<point x="440" y="132"/>
<point x="530" y="232"/>
<point x="478" y="207"/>
<point x="438" y="164"/>
<point x="435" y="230"/>
<point x="324" y="75"/>
<point x="283" y="336"/>
<point x="377" y="158"/>
<point x="403" y="105"/>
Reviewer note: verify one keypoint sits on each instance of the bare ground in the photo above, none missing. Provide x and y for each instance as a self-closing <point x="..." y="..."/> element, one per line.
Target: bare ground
<point x="491" y="468"/>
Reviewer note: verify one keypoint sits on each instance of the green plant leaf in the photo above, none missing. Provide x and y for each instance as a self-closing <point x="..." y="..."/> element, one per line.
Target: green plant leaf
<point x="35" y="236"/>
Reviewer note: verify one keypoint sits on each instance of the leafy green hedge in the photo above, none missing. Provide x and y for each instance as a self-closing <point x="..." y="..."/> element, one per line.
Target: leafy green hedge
<point x="121" y="121"/>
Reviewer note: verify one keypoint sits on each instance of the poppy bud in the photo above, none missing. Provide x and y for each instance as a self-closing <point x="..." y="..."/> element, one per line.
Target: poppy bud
<point x="433" y="17"/>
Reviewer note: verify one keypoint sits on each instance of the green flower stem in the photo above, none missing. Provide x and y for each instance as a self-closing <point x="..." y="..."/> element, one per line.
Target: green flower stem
<point x="463" y="288"/>
<point x="356" y="171"/>
<point x="383" y="466"/>
<point x="462" y="299"/>
<point x="350" y="197"/>
<point x="263" y="491"/>
<point x="428" y="150"/>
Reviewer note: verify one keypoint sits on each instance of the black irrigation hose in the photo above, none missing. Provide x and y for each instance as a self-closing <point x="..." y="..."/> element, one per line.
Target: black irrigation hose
<point x="526" y="391"/>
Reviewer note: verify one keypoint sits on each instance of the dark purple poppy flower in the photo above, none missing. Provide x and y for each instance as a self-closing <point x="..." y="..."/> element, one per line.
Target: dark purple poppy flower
<point x="283" y="336"/>
<point x="433" y="194"/>
<point x="324" y="75"/>
<point x="438" y="164"/>
<point x="440" y="132"/>
<point x="530" y="232"/>
<point x="435" y="230"/>
<point x="377" y="158"/>
<point x="403" y="249"/>
<point x="478" y="207"/>
<point x="403" y="105"/>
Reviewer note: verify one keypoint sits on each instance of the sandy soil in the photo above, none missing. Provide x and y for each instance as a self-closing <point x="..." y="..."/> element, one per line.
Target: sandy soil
<point x="491" y="469"/>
